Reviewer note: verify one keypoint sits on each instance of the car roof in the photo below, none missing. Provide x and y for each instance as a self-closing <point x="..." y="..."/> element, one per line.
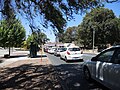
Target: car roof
<point x="117" y="46"/>
<point x="112" y="47"/>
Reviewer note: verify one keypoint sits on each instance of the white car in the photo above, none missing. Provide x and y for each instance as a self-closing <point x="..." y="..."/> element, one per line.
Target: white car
<point x="105" y="68"/>
<point x="51" y="50"/>
<point x="57" y="51"/>
<point x="71" y="53"/>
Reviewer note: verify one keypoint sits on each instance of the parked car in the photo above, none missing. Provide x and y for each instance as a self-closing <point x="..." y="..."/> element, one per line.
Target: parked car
<point x="71" y="53"/>
<point x="51" y="50"/>
<point x="45" y="49"/>
<point x="57" y="51"/>
<point x="105" y="68"/>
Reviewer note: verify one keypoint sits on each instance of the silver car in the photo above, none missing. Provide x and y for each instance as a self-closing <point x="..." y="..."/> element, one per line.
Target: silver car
<point x="105" y="68"/>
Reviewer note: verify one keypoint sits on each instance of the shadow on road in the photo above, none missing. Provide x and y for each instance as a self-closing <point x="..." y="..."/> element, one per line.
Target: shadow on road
<point x="73" y="78"/>
<point x="74" y="61"/>
<point x="1" y="61"/>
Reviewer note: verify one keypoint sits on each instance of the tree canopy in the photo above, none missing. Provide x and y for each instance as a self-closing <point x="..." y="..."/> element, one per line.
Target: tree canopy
<point x="54" y="12"/>
<point x="11" y="35"/>
<point x="37" y="37"/>
<point x="70" y="35"/>
<point x="105" y="25"/>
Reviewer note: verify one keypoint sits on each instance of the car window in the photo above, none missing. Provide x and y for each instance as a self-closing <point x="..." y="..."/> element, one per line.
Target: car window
<point x="117" y="57"/>
<point x="106" y="56"/>
<point x="64" y="49"/>
<point x="59" y="48"/>
<point x="74" y="49"/>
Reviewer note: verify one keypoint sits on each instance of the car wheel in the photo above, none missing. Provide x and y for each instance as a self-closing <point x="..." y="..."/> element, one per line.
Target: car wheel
<point x="87" y="74"/>
<point x="61" y="57"/>
<point x="81" y="60"/>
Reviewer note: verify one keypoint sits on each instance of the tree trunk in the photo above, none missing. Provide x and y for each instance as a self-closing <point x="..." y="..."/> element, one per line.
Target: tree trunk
<point x="9" y="50"/>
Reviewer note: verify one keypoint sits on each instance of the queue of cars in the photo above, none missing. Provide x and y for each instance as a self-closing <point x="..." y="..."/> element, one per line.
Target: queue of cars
<point x="67" y="53"/>
<point x="104" y="67"/>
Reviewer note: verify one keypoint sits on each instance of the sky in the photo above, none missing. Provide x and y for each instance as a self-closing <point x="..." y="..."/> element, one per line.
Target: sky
<point x="78" y="19"/>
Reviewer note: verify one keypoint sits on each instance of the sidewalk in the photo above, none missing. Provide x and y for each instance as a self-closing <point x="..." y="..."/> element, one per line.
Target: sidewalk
<point x="91" y="52"/>
<point x="21" y="57"/>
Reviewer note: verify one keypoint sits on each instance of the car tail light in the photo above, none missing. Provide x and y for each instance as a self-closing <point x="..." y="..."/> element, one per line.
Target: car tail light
<point x="68" y="53"/>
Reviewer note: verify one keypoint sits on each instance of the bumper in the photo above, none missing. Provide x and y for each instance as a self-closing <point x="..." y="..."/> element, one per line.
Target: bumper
<point x="74" y="58"/>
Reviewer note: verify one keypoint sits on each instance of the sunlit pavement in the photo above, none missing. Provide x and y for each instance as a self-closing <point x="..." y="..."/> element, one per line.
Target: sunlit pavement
<point x="19" y="56"/>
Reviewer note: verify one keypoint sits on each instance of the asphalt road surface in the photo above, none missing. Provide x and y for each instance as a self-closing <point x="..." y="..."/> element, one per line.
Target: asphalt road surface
<point x="71" y="74"/>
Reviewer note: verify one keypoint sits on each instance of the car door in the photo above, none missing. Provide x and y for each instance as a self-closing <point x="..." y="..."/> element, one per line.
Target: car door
<point x="100" y="67"/>
<point x="113" y="71"/>
<point x="104" y="66"/>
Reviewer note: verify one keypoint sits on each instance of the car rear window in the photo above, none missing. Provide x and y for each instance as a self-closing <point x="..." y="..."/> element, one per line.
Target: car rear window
<point x="64" y="49"/>
<point x="74" y="49"/>
<point x="59" y="48"/>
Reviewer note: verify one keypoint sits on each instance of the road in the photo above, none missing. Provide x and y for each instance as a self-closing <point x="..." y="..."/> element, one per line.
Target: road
<point x="57" y="61"/>
<point x="71" y="74"/>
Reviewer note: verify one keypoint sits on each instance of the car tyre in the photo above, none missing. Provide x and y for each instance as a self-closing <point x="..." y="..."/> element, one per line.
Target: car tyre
<point x="81" y="60"/>
<point x="87" y="74"/>
<point x="61" y="57"/>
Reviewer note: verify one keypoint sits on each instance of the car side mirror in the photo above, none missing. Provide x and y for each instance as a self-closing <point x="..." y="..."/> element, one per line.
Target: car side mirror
<point x="94" y="59"/>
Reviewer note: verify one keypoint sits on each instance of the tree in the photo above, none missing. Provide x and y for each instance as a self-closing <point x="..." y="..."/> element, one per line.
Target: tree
<point x="105" y="24"/>
<point x="70" y="34"/>
<point x="37" y="37"/>
<point x="83" y="35"/>
<point x="57" y="12"/>
<point x="11" y="35"/>
<point x="40" y="38"/>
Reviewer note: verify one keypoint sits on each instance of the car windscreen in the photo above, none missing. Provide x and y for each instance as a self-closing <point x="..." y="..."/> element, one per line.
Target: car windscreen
<point x="74" y="49"/>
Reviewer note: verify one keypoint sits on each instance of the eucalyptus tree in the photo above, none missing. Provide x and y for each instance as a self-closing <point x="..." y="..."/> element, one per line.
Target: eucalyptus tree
<point x="104" y="23"/>
<point x="70" y="34"/>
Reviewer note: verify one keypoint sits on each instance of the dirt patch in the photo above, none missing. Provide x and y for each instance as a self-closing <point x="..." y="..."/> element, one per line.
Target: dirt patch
<point x="29" y="77"/>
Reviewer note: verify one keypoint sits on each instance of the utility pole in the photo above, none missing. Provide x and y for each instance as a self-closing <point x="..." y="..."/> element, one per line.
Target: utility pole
<point x="93" y="40"/>
<point x="57" y="39"/>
